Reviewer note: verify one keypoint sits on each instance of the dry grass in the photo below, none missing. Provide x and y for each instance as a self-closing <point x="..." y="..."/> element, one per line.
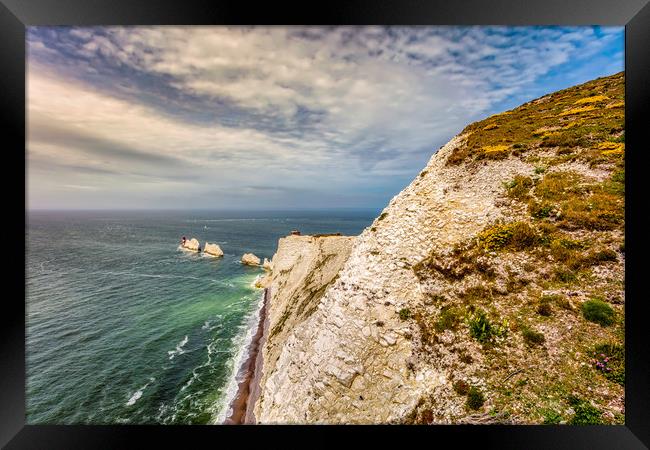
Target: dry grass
<point x="554" y="122"/>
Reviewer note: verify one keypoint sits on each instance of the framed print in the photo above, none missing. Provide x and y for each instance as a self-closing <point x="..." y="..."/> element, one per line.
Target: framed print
<point x="402" y="221"/>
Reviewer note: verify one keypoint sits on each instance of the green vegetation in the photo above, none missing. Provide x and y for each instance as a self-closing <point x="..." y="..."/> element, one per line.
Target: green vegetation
<point x="585" y="413"/>
<point x="519" y="187"/>
<point x="404" y="314"/>
<point x="448" y="319"/>
<point x="550" y="417"/>
<point x="532" y="337"/>
<point x="475" y="398"/>
<point x="544" y="307"/>
<point x="557" y="121"/>
<point x="554" y="299"/>
<point x="609" y="359"/>
<point x="540" y="210"/>
<point x="596" y="310"/>
<point x="481" y="329"/>
<point x="512" y="236"/>
<point x="537" y="265"/>
<point x="564" y="276"/>
<point x="382" y="216"/>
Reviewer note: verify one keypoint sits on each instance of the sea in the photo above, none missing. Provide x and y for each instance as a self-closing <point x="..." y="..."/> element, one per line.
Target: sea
<point x="123" y="327"/>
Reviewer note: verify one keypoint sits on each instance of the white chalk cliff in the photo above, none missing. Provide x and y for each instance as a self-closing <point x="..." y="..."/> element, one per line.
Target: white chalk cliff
<point x="348" y="361"/>
<point x="356" y="331"/>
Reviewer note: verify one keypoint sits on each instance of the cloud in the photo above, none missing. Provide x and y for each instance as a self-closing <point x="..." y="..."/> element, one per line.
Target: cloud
<point x="329" y="110"/>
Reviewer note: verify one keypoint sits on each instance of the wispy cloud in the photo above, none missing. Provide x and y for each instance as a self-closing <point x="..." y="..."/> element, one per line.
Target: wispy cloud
<point x="171" y="114"/>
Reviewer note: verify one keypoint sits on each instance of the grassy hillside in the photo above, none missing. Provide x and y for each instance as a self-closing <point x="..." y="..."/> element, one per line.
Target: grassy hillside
<point x="535" y="304"/>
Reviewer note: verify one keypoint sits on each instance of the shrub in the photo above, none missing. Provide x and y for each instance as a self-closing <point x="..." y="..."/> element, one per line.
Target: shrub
<point x="532" y="337"/>
<point x="540" y="210"/>
<point x="593" y="99"/>
<point x="573" y="111"/>
<point x="461" y="387"/>
<point x="449" y="318"/>
<point x="610" y="360"/>
<point x="382" y="216"/>
<point x="559" y="300"/>
<point x="475" y="398"/>
<point x="494" y="151"/>
<point x="585" y="413"/>
<point x="481" y="329"/>
<point x="496" y="237"/>
<point x="515" y="236"/>
<point x="604" y="255"/>
<point x="551" y="417"/>
<point x="518" y="188"/>
<point x="544" y="309"/>
<point x="474" y="294"/>
<point x="523" y="236"/>
<point x="597" y="311"/>
<point x="564" y="275"/>
<point x="404" y="314"/>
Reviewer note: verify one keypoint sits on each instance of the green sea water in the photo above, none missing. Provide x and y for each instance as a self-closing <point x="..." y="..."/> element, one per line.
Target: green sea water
<point x="123" y="327"/>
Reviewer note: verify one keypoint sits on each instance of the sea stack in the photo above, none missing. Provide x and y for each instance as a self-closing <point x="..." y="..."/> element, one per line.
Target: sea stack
<point x="266" y="265"/>
<point x="250" y="259"/>
<point x="191" y="245"/>
<point x="213" y="250"/>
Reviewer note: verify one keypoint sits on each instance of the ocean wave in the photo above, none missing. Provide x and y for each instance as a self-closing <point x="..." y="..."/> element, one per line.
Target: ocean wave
<point x="179" y="348"/>
<point x="137" y="394"/>
<point x="242" y="343"/>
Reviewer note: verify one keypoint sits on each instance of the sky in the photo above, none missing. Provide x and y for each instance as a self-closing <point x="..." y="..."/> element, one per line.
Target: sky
<point x="274" y="117"/>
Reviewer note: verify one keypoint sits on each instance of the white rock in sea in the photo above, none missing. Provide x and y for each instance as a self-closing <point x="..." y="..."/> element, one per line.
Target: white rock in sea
<point x="192" y="244"/>
<point x="250" y="259"/>
<point x="266" y="265"/>
<point x="213" y="249"/>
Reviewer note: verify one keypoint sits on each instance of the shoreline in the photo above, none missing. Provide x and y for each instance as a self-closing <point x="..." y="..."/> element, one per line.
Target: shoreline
<point x="248" y="389"/>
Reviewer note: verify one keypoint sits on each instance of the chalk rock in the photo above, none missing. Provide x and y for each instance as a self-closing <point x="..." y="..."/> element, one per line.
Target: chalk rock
<point x="267" y="264"/>
<point x="250" y="259"/>
<point x="213" y="249"/>
<point x="192" y="245"/>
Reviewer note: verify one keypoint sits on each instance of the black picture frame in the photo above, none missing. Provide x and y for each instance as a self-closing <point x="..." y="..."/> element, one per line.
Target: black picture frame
<point x="16" y="15"/>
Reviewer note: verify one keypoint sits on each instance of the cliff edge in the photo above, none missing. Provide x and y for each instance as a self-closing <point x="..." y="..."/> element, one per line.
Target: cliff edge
<point x="486" y="291"/>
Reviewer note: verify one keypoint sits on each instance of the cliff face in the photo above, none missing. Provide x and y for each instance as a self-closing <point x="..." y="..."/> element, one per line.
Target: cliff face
<point x="301" y="270"/>
<point x="482" y="293"/>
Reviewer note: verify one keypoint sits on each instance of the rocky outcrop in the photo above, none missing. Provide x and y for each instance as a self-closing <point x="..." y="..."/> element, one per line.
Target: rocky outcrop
<point x="302" y="269"/>
<point x="212" y="250"/>
<point x="192" y="245"/>
<point x="266" y="265"/>
<point x="375" y="329"/>
<point x="250" y="259"/>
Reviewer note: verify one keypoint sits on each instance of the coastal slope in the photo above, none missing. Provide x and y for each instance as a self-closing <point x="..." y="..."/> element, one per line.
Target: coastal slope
<point x="485" y="291"/>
